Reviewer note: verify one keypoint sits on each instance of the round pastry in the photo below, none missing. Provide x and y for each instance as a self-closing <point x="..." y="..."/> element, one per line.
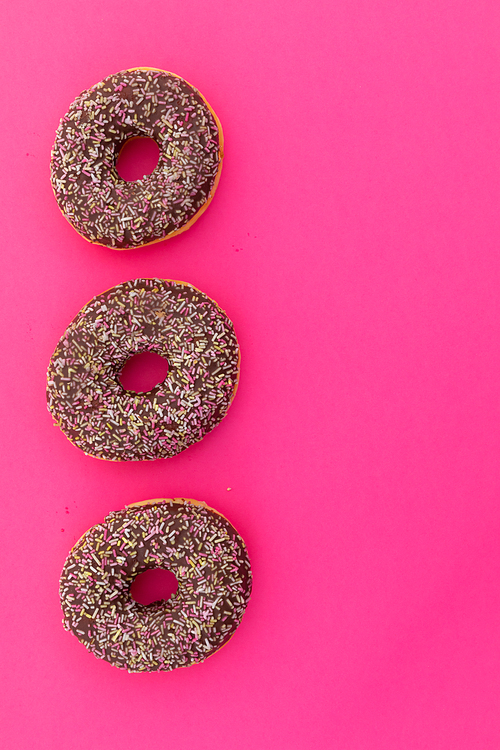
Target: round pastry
<point x="206" y="555"/>
<point x="170" y="318"/>
<point x="147" y="102"/>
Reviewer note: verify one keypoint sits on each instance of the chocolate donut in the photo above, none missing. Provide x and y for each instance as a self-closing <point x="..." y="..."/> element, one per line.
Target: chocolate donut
<point x="104" y="208"/>
<point x="172" y="319"/>
<point x="201" y="548"/>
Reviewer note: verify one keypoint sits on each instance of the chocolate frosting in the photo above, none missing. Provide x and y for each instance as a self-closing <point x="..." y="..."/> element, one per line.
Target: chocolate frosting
<point x="201" y="548"/>
<point x="108" y="210"/>
<point x="170" y="318"/>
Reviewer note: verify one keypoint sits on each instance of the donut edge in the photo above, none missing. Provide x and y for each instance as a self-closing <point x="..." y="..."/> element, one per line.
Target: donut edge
<point x="179" y="501"/>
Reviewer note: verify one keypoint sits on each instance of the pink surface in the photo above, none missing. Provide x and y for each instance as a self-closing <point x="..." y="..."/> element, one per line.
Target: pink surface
<point x="354" y="243"/>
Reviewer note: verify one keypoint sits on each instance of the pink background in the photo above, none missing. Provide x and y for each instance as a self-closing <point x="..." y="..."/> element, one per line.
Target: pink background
<point x="354" y="242"/>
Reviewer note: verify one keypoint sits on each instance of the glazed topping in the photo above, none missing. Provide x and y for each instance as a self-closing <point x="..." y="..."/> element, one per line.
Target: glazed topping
<point x="102" y="206"/>
<point x="170" y="318"/>
<point x="199" y="546"/>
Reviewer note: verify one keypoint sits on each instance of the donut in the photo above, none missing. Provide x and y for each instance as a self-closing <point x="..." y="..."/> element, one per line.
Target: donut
<point x="170" y="318"/>
<point x="104" y="208"/>
<point x="196" y="543"/>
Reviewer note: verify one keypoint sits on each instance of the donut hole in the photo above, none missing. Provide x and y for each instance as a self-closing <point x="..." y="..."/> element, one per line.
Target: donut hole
<point x="138" y="157"/>
<point x="143" y="372"/>
<point x="153" y="585"/>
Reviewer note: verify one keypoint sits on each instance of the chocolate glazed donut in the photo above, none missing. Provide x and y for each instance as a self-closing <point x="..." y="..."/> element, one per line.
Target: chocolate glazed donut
<point x="201" y="548"/>
<point x="172" y="319"/>
<point x="104" y="208"/>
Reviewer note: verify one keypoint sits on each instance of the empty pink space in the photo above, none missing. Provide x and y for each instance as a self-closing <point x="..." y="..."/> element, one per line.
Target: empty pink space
<point x="354" y="243"/>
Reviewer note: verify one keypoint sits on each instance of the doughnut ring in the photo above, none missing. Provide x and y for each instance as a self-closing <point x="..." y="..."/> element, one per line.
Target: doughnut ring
<point x="170" y="318"/>
<point x="202" y="549"/>
<point x="104" y="208"/>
